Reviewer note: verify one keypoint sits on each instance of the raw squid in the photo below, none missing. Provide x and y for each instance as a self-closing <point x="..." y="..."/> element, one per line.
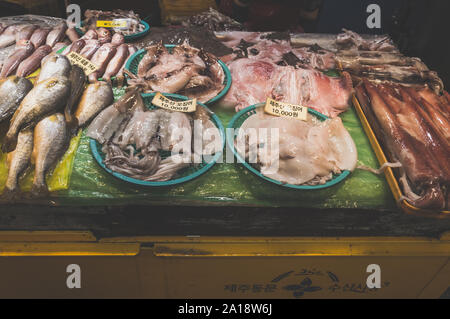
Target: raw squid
<point x="187" y="71"/>
<point x="308" y="152"/>
<point x="413" y="138"/>
<point x="133" y="136"/>
<point x="255" y="81"/>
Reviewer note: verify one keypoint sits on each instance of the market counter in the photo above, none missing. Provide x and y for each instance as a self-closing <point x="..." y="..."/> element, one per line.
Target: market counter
<point x="222" y="267"/>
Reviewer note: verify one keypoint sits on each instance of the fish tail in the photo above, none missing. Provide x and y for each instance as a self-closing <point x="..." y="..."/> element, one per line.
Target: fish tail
<point x="10" y="194"/>
<point x="39" y="190"/>
<point x="9" y="143"/>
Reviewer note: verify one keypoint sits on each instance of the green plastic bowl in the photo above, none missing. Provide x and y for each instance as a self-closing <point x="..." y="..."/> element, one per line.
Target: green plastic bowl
<point x="237" y="121"/>
<point x="127" y="37"/>
<point x="133" y="63"/>
<point x="183" y="175"/>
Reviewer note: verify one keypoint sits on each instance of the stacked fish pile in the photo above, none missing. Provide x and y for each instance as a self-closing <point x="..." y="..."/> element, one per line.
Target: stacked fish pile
<point x="408" y="109"/>
<point x="135" y="138"/>
<point x="213" y="20"/>
<point x="378" y="60"/>
<point x="32" y="44"/>
<point x="413" y="125"/>
<point x="45" y="116"/>
<point x="132" y="19"/>
<point x="185" y="70"/>
<point x="106" y="51"/>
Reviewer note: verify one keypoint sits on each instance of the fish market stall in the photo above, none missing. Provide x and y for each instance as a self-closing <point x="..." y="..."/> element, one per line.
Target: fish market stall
<point x="87" y="173"/>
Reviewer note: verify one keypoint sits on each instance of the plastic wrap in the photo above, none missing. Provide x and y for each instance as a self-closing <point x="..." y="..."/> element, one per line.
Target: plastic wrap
<point x="230" y="184"/>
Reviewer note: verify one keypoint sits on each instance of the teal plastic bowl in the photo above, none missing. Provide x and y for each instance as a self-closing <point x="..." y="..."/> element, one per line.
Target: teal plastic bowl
<point x="183" y="175"/>
<point x="237" y="121"/>
<point x="127" y="37"/>
<point x="133" y="63"/>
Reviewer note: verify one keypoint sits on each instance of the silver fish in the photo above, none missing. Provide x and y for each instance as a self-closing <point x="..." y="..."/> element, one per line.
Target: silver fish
<point x="95" y="98"/>
<point x="50" y="142"/>
<point x="46" y="97"/>
<point x="12" y="91"/>
<point x="18" y="161"/>
<point x="54" y="65"/>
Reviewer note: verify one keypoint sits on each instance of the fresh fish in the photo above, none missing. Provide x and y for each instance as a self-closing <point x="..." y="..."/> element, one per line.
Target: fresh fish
<point x="46" y="97"/>
<point x="72" y="34"/>
<point x="95" y="98"/>
<point x="23" y="50"/>
<point x="103" y="33"/>
<point x="90" y="35"/>
<point x="56" y="35"/>
<point x="101" y="59"/>
<point x="58" y="46"/>
<point x="12" y="91"/>
<point x="2" y="28"/>
<point x="77" y="80"/>
<point x="25" y="32"/>
<point x="39" y="37"/>
<point x="78" y="45"/>
<point x="33" y="62"/>
<point x="8" y="37"/>
<point x="90" y="48"/>
<point x="120" y="78"/>
<point x="54" y="65"/>
<point x="116" y="63"/>
<point x="18" y="161"/>
<point x="117" y="39"/>
<point x="50" y="142"/>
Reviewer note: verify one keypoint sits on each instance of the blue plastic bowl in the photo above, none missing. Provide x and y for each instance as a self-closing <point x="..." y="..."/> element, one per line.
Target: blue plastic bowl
<point x="185" y="174"/>
<point x="133" y="63"/>
<point x="236" y="123"/>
